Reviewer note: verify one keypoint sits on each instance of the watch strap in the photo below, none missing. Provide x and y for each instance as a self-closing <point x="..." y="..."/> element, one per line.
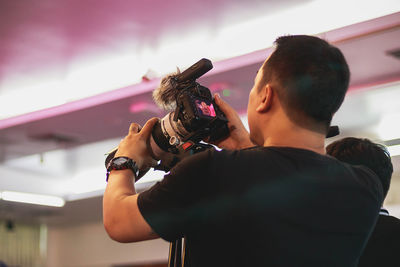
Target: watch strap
<point x="127" y="163"/>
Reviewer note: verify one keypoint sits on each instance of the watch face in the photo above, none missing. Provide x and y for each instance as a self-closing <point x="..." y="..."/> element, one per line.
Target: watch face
<point x="120" y="161"/>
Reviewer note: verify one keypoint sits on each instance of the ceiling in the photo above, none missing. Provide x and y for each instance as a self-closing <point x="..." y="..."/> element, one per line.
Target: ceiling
<point x="53" y="53"/>
<point x="59" y="150"/>
<point x="106" y="115"/>
<point x="55" y="34"/>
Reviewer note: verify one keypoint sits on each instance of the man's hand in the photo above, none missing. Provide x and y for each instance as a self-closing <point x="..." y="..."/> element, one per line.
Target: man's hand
<point x="238" y="137"/>
<point x="136" y="145"/>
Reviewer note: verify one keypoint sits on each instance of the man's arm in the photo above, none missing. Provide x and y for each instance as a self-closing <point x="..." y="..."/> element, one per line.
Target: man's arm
<point x="121" y="216"/>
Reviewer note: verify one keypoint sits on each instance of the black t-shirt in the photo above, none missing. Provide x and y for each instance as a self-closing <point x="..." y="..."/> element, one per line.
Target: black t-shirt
<point x="265" y="206"/>
<point x="383" y="245"/>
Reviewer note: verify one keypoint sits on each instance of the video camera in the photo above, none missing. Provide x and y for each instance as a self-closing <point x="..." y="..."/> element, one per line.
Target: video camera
<point x="194" y="117"/>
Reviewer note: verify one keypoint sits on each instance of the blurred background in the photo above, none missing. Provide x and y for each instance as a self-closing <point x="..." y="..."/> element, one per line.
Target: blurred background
<point x="74" y="75"/>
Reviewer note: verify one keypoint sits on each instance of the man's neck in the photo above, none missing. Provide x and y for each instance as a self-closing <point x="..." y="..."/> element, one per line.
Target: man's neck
<point x="293" y="136"/>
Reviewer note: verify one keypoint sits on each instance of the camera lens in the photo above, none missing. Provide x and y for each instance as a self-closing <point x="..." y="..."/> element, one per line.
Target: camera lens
<point x="166" y="135"/>
<point x="160" y="139"/>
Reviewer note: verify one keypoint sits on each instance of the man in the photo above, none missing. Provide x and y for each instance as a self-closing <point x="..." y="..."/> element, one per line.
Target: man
<point x="271" y="197"/>
<point x="383" y="245"/>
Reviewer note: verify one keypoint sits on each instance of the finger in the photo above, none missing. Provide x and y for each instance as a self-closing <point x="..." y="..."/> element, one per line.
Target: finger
<point x="225" y="107"/>
<point x="134" y="128"/>
<point x="148" y="127"/>
<point x="230" y="113"/>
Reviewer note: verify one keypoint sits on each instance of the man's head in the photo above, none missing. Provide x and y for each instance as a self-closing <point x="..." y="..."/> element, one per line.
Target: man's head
<point x="358" y="151"/>
<point x="309" y="76"/>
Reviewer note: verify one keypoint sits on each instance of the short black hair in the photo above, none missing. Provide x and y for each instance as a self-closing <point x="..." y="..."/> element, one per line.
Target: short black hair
<point x="312" y="76"/>
<point x="361" y="151"/>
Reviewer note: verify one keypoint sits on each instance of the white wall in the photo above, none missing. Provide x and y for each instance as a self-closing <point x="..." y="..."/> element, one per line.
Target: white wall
<point x="88" y="245"/>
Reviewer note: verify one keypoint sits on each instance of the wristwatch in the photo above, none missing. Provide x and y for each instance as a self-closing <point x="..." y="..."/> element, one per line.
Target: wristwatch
<point x="122" y="163"/>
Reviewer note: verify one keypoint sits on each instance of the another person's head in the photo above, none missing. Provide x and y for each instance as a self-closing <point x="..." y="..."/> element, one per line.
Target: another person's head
<point x="310" y="78"/>
<point x="357" y="151"/>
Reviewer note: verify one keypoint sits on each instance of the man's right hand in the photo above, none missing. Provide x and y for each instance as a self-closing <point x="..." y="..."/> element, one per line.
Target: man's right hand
<point x="239" y="137"/>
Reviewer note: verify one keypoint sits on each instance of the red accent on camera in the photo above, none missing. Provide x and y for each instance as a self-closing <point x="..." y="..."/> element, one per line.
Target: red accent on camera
<point x="187" y="145"/>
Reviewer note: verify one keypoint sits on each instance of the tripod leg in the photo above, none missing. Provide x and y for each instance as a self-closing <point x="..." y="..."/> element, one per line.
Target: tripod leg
<point x="171" y="257"/>
<point x="178" y="253"/>
<point x="175" y="253"/>
<point x="185" y="254"/>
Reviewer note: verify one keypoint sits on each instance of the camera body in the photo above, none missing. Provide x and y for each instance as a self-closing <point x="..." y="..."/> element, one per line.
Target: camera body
<point x="196" y="117"/>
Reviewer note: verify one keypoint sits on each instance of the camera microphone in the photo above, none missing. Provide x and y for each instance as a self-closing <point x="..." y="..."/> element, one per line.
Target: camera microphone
<point x="195" y="71"/>
<point x="165" y="94"/>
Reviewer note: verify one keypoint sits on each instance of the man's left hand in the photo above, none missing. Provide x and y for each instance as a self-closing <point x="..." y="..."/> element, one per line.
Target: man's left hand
<point x="136" y="145"/>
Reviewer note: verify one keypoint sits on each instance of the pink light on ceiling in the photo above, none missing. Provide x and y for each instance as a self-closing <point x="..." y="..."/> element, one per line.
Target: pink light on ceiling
<point x="219" y="86"/>
<point x="107" y="97"/>
<point x="143" y="106"/>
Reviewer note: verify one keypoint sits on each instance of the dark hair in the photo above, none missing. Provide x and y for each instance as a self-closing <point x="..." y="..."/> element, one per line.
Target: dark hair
<point x="312" y="78"/>
<point x="358" y="151"/>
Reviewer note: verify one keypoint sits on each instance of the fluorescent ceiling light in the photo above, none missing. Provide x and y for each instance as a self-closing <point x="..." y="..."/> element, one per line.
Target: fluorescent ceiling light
<point x="37" y="199"/>
<point x="93" y="179"/>
<point x="394" y="150"/>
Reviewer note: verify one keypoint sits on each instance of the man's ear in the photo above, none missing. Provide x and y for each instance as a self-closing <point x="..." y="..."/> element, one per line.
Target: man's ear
<point x="266" y="95"/>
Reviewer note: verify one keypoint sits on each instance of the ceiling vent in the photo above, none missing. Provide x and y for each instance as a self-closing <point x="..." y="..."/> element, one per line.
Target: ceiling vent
<point x="394" y="53"/>
<point x="54" y="137"/>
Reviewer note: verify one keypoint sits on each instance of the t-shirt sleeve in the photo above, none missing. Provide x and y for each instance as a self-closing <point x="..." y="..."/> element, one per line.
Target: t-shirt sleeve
<point x="168" y="206"/>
